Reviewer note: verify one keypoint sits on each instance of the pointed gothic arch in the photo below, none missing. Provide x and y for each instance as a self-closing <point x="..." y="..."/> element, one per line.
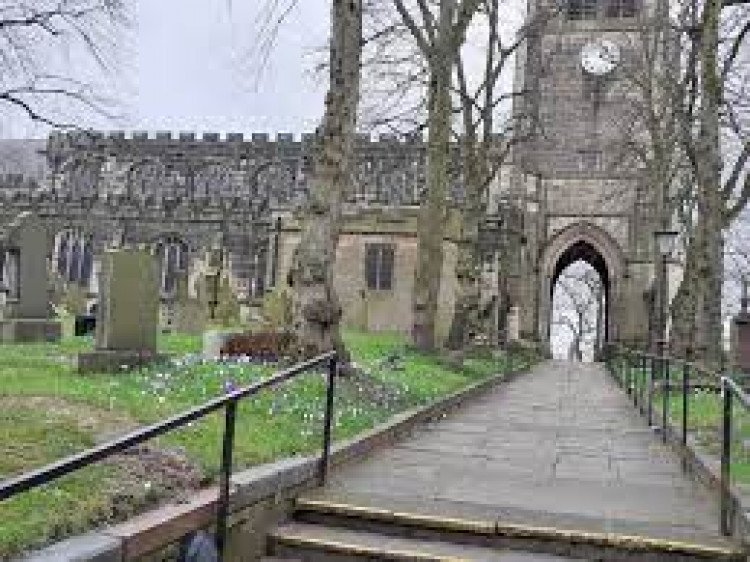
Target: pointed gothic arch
<point x="592" y="244"/>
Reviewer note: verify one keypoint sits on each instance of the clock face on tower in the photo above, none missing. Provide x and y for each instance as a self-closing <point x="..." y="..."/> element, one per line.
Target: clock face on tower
<point x="600" y="57"/>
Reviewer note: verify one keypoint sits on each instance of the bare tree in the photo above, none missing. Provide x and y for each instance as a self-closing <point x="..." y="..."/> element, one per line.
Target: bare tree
<point x="721" y="186"/>
<point x="483" y="150"/>
<point x="686" y="112"/>
<point x="33" y="38"/>
<point x="317" y="311"/>
<point x="439" y="33"/>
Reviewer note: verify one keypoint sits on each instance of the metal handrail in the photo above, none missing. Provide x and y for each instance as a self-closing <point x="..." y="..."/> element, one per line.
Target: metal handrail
<point x="35" y="478"/>
<point x="643" y="391"/>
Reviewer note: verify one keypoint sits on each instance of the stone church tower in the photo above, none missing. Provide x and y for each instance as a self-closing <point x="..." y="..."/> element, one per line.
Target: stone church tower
<point x="582" y="196"/>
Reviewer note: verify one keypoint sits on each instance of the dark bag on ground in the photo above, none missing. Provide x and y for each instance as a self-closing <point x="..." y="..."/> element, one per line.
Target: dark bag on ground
<point x="198" y="547"/>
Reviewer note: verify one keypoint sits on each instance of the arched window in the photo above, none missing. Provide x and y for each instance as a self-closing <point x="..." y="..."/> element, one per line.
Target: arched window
<point x="74" y="267"/>
<point x="87" y="260"/>
<point x="173" y="261"/>
<point x="582" y="9"/>
<point x="62" y="254"/>
<point x="622" y="8"/>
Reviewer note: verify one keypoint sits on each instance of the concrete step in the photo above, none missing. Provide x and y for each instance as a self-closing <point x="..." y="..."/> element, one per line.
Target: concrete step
<point x="485" y="530"/>
<point x="319" y="543"/>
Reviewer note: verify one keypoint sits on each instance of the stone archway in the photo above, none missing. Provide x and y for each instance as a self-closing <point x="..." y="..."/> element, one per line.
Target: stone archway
<point x="590" y="243"/>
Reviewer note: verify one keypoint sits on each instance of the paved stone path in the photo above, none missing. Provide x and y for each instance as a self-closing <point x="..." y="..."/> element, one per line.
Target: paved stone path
<point x="560" y="446"/>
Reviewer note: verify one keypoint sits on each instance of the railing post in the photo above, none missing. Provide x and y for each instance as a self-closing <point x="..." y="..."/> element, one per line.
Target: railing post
<point x="726" y="451"/>
<point x="330" y="388"/>
<point x="650" y="405"/>
<point x="225" y="477"/>
<point x="644" y="381"/>
<point x="636" y="376"/>
<point x="628" y="369"/>
<point x="685" y="393"/>
<point x="665" y="395"/>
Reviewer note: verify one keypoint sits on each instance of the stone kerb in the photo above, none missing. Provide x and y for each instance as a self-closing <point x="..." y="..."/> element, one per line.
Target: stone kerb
<point x="260" y="498"/>
<point x="23" y="259"/>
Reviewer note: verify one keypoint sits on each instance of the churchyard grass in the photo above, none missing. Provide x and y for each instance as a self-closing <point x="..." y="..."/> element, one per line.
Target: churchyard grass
<point x="48" y="411"/>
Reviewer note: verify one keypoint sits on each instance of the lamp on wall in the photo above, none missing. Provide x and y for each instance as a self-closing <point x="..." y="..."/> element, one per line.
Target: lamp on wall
<point x="665" y="242"/>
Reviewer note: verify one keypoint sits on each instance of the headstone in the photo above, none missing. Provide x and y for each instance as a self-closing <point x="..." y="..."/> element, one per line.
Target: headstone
<point x="187" y="315"/>
<point x="127" y="318"/>
<point x="215" y="292"/>
<point x="23" y="263"/>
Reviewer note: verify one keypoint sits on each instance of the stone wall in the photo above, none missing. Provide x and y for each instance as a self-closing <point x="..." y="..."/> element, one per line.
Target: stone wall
<point x="379" y="310"/>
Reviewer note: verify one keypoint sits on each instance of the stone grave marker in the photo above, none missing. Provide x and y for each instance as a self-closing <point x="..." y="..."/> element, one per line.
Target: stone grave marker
<point x="215" y="292"/>
<point x="25" y="280"/>
<point x="127" y="314"/>
<point x="188" y="316"/>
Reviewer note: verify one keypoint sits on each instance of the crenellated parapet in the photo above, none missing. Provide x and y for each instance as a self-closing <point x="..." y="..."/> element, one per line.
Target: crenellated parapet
<point x="389" y="170"/>
<point x="17" y="182"/>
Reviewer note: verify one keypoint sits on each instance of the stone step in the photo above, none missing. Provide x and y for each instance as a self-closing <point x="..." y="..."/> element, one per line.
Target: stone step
<point x="320" y="543"/>
<point x="550" y="536"/>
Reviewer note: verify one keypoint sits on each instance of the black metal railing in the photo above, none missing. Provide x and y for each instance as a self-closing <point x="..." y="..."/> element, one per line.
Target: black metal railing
<point x="730" y="391"/>
<point x="53" y="471"/>
<point x="643" y="374"/>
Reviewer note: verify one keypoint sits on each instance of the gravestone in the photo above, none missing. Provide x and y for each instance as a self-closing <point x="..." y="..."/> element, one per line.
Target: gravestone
<point x="127" y="313"/>
<point x="23" y="263"/>
<point x="188" y="315"/>
<point x="215" y="291"/>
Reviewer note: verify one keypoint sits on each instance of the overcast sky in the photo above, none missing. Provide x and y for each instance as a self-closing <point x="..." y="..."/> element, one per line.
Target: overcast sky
<point x="187" y="65"/>
<point x="187" y="69"/>
<point x="192" y="70"/>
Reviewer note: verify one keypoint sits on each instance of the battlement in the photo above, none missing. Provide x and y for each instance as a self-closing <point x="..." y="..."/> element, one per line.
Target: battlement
<point x="79" y="138"/>
<point x="18" y="182"/>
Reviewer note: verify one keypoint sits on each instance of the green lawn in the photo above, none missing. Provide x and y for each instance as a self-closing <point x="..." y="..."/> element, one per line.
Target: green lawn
<point x="47" y="411"/>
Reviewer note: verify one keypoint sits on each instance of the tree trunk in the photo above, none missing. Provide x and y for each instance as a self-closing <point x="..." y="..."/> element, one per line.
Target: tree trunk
<point x="465" y="323"/>
<point x="697" y="308"/>
<point x="432" y="212"/>
<point x="317" y="311"/>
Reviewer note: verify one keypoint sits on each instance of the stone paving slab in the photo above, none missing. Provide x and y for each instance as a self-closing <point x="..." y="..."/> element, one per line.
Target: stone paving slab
<point x="563" y="441"/>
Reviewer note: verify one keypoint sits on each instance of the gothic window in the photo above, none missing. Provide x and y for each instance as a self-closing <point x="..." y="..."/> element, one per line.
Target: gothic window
<point x="582" y="9"/>
<point x="62" y="254"/>
<point x="10" y="273"/>
<point x="258" y="273"/>
<point x="87" y="259"/>
<point x="379" y="259"/>
<point x="213" y="179"/>
<point x="622" y="8"/>
<point x="173" y="262"/>
<point x="75" y="262"/>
